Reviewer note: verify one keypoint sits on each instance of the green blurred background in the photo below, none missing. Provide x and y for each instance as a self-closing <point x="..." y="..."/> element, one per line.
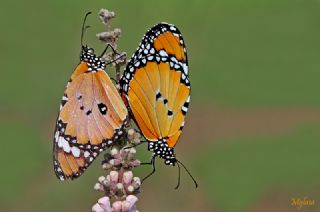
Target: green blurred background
<point x="252" y="137"/>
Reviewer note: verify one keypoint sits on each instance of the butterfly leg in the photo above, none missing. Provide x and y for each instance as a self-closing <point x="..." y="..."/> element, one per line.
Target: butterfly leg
<point x="152" y="162"/>
<point x="120" y="57"/>
<point x="105" y="50"/>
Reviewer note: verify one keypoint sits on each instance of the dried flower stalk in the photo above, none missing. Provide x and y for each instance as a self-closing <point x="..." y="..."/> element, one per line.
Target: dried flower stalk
<point x="120" y="187"/>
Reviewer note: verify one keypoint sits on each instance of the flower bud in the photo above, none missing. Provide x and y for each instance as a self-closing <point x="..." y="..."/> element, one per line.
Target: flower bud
<point x="114" y="176"/>
<point x="130" y="134"/>
<point x="104" y="202"/>
<point x="106" y="183"/>
<point x="114" y="151"/>
<point x="136" y="141"/>
<point x="136" y="182"/>
<point x="114" y="162"/>
<point x="101" y="179"/>
<point x="133" y="151"/>
<point x="119" y="186"/>
<point x="97" y="208"/>
<point x="98" y="187"/>
<point x="119" y="190"/>
<point x="134" y="163"/>
<point x="127" y="177"/>
<point x="106" y="15"/>
<point x="117" y="32"/>
<point x="107" y="166"/>
<point x="125" y="206"/>
<point x="132" y="199"/>
<point x="130" y="189"/>
<point x="116" y="206"/>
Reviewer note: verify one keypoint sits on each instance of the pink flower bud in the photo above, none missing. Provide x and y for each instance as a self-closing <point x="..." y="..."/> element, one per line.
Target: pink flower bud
<point x="115" y="162"/>
<point x="127" y="177"/>
<point x="124" y="153"/>
<point x="116" y="206"/>
<point x="125" y="206"/>
<point x="98" y="187"/>
<point x="103" y="205"/>
<point x="136" y="180"/>
<point x="114" y="176"/>
<point x="134" y="163"/>
<point x="132" y="200"/>
<point x="97" y="208"/>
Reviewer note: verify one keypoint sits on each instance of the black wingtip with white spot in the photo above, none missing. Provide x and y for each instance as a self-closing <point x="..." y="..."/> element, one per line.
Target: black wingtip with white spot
<point x="147" y="52"/>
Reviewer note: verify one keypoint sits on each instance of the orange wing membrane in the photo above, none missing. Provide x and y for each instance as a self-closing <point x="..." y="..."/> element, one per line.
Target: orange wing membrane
<point x="92" y="116"/>
<point x="156" y="86"/>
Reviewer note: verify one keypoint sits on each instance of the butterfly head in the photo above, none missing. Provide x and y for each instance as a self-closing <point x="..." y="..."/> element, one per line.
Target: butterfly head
<point x="160" y="148"/>
<point x="94" y="62"/>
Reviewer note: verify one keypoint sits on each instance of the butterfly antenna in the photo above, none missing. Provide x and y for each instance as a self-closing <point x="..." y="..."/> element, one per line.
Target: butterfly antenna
<point x="195" y="182"/>
<point x="84" y="27"/>
<point x="178" y="177"/>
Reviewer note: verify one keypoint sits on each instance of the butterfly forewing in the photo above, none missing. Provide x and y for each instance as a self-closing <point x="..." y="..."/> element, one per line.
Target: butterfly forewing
<point x="92" y="116"/>
<point x="156" y="84"/>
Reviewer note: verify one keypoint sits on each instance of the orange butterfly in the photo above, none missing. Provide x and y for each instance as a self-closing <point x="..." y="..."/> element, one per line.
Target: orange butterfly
<point x="92" y="115"/>
<point x="156" y="86"/>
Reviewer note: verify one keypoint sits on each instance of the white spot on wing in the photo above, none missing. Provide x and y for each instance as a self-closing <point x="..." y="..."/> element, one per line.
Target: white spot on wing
<point x="65" y="145"/>
<point x="163" y="53"/>
<point x="60" y="142"/>
<point x="184" y="109"/>
<point x="56" y="137"/>
<point x="173" y="28"/>
<point x="86" y="154"/>
<point x="75" y="151"/>
<point x="185" y="68"/>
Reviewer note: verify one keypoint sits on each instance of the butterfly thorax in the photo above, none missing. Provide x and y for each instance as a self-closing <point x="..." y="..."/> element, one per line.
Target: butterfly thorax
<point x="94" y="62"/>
<point x="160" y="148"/>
